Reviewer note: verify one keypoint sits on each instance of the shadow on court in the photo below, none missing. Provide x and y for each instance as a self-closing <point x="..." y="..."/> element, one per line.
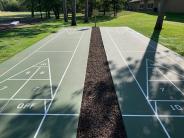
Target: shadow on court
<point x="132" y="96"/>
<point x="25" y="126"/>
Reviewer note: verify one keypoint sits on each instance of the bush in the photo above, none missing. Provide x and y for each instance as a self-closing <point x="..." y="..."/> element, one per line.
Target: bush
<point x="11" y="5"/>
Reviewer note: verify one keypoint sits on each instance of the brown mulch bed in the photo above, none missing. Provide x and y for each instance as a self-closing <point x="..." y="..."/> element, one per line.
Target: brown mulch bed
<point x="100" y="115"/>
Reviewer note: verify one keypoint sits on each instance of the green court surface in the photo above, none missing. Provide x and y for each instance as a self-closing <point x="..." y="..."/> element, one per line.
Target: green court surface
<point x="149" y="82"/>
<point x="41" y="88"/>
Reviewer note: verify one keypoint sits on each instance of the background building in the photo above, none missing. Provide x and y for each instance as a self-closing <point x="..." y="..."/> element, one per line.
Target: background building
<point x="174" y="6"/>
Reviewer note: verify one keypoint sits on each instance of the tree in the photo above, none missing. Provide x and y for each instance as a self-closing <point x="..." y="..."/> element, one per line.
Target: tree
<point x="106" y="6"/>
<point x="73" y="23"/>
<point x="30" y="5"/>
<point x="90" y="8"/>
<point x="86" y="19"/>
<point x="40" y="8"/>
<point x="115" y="2"/>
<point x="65" y="10"/>
<point x="47" y="6"/>
<point x="2" y="5"/>
<point x="55" y="7"/>
<point x="32" y="8"/>
<point x="160" y="18"/>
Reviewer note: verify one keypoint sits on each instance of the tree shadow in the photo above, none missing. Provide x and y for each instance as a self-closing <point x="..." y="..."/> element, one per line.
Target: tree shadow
<point x="25" y="126"/>
<point x="130" y="83"/>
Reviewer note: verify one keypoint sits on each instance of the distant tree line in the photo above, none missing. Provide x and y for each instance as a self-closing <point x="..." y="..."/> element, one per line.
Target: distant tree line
<point x="58" y="7"/>
<point x="72" y="6"/>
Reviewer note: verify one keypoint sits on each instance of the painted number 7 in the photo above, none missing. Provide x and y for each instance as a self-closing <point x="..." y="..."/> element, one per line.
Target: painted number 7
<point x="162" y="89"/>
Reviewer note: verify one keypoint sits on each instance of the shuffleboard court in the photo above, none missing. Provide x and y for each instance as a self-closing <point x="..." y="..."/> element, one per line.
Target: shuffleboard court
<point x="149" y="82"/>
<point x="41" y="87"/>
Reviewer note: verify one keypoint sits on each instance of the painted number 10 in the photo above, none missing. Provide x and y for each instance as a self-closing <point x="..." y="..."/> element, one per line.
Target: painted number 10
<point x="176" y="107"/>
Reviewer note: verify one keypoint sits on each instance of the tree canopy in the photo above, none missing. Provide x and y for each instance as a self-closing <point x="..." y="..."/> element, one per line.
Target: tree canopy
<point x="54" y="5"/>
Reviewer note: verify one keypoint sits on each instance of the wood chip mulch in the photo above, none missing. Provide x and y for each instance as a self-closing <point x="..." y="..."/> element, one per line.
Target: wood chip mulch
<point x="100" y="115"/>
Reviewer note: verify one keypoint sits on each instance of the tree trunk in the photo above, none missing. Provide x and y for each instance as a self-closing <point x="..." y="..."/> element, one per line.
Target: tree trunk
<point x="86" y="19"/>
<point x="65" y="11"/>
<point x="56" y="12"/>
<point x="73" y="23"/>
<point x="104" y="8"/>
<point x="90" y="5"/>
<point x="32" y="8"/>
<point x="115" y="8"/>
<point x="160" y="18"/>
<point x="40" y="8"/>
<point x="48" y="13"/>
<point x="2" y="3"/>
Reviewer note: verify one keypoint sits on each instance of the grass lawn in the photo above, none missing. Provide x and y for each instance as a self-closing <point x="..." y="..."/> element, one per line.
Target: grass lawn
<point x="15" y="40"/>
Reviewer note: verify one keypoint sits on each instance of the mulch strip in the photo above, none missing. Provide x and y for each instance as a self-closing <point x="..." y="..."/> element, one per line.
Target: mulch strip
<point x="100" y="115"/>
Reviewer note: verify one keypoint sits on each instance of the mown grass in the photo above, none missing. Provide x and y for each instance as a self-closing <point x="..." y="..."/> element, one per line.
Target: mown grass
<point x="15" y="40"/>
<point x="172" y="35"/>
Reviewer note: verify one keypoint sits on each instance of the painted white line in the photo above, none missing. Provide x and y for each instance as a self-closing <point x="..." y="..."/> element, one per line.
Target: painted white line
<point x="160" y="66"/>
<point x="63" y="114"/>
<point x="167" y="100"/>
<point x="10" y="78"/>
<point x="123" y="59"/>
<point x="35" y="114"/>
<point x="2" y="108"/>
<point x="165" y="80"/>
<point x="30" y="79"/>
<point x="161" y="48"/>
<point x="127" y="115"/>
<point x="55" y="51"/>
<point x="171" y="82"/>
<point x="25" y="83"/>
<point x="31" y="54"/>
<point x="45" y="106"/>
<point x="162" y="52"/>
<point x="43" y="63"/>
<point x="147" y="84"/>
<point x="17" y="99"/>
<point x="163" y="116"/>
<point x="50" y="77"/>
<point x="70" y="31"/>
<point x="33" y="66"/>
<point x="73" y="115"/>
<point x="173" y="59"/>
<point x="138" y="51"/>
<point x="3" y="88"/>
<point x="156" y="109"/>
<point x="39" y="127"/>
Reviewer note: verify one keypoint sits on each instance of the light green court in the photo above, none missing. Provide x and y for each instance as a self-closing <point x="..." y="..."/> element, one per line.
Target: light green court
<point x="41" y="88"/>
<point x="149" y="83"/>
